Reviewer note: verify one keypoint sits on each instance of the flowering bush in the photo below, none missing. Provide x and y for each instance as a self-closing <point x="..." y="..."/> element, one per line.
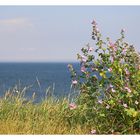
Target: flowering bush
<point x="109" y="84"/>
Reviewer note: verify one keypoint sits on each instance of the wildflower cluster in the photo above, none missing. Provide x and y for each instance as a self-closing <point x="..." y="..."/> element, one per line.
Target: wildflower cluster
<point x="109" y="84"/>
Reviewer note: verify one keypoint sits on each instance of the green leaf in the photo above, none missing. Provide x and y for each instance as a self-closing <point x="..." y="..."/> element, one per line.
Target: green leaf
<point x="111" y="102"/>
<point x="102" y="115"/>
<point x="120" y="70"/>
<point x="131" y="112"/>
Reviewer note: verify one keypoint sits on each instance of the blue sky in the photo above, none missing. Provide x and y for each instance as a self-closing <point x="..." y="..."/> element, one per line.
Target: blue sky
<point x="57" y="33"/>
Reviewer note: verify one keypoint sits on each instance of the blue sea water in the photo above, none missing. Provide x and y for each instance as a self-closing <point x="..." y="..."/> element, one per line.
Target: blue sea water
<point x="37" y="76"/>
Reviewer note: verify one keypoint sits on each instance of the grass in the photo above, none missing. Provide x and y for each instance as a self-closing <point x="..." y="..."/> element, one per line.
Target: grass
<point x="18" y="116"/>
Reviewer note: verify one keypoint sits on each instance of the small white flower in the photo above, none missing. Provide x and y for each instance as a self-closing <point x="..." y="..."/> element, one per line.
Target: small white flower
<point x="125" y="105"/>
<point x="110" y="69"/>
<point x="113" y="90"/>
<point x="111" y="86"/>
<point x="100" y="101"/>
<point x="107" y="107"/>
<point x="136" y="102"/>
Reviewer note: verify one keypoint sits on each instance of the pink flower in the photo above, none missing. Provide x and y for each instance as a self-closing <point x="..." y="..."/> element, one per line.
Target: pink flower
<point x="123" y="30"/>
<point x="112" y="46"/>
<point x="124" y="51"/>
<point x="90" y="49"/>
<point x="125" y="105"/>
<point x="94" y="69"/>
<point x="84" y="59"/>
<point x="112" y="59"/>
<point x="100" y="101"/>
<point x="94" y="23"/>
<point x="111" y="86"/>
<point x="127" y="79"/>
<point x="93" y="131"/>
<point x="72" y="106"/>
<point x="119" y="101"/>
<point x="74" y="82"/>
<point x="136" y="102"/>
<point x="127" y="72"/>
<point x="83" y="69"/>
<point x="128" y="89"/>
<point x="110" y="69"/>
<point x="97" y="29"/>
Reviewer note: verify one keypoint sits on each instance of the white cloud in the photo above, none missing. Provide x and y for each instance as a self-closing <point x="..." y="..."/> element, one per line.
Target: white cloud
<point x="14" y="23"/>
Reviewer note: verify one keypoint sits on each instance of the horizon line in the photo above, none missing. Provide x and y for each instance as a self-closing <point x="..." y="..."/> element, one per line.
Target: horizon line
<point x="39" y="61"/>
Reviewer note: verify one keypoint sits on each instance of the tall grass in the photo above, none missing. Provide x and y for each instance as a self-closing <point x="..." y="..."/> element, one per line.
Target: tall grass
<point x="19" y="115"/>
<point x="50" y="116"/>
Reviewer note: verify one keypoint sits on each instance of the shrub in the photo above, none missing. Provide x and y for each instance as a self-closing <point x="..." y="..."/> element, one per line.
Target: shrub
<point x="109" y="84"/>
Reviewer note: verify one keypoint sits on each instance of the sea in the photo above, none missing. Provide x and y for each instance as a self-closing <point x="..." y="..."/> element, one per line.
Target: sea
<point x="39" y="78"/>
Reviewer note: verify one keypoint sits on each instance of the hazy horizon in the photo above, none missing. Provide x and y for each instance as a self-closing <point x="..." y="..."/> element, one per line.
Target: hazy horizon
<point x="39" y="62"/>
<point x="43" y="34"/>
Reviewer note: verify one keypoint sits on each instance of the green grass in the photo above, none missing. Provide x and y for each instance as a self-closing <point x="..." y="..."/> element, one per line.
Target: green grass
<point x="18" y="116"/>
<point x="54" y="116"/>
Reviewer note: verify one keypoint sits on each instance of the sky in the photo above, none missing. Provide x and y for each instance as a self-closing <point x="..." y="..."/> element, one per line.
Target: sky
<point x="57" y="33"/>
